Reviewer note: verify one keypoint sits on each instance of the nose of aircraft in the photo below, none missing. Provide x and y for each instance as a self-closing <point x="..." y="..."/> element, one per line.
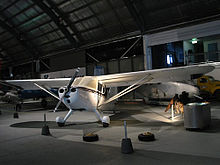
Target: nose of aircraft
<point x="63" y="93"/>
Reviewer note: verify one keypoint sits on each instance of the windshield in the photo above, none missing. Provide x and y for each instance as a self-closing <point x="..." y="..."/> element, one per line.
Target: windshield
<point x="86" y="82"/>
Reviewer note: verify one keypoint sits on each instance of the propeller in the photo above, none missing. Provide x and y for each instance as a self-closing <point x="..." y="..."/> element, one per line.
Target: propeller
<point x="67" y="89"/>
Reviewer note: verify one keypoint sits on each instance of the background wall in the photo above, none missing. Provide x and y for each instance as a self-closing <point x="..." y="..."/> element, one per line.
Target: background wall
<point x="67" y="61"/>
<point x="206" y="43"/>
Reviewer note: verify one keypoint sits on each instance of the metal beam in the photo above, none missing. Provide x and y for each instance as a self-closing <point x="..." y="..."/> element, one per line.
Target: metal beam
<point x="30" y="19"/>
<point x="82" y="6"/>
<point x="97" y="18"/>
<point x="131" y="47"/>
<point x="7" y="56"/>
<point x="122" y="27"/>
<point x="57" y="21"/>
<point x="21" y="37"/>
<point x="21" y="11"/>
<point x="39" y="25"/>
<point x="65" y="17"/>
<point x="136" y="16"/>
<point x="51" y="41"/>
<point x="44" y="34"/>
<point x="96" y="60"/>
<point x="10" y="5"/>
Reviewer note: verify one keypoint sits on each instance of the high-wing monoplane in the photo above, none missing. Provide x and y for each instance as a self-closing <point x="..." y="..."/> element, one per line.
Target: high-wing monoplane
<point x="94" y="93"/>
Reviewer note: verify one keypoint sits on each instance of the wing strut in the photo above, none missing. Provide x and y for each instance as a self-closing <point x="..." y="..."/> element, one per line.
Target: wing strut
<point x="47" y="91"/>
<point x="140" y="82"/>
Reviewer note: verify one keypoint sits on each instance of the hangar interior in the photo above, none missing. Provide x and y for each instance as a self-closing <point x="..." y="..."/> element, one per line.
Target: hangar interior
<point x="46" y="39"/>
<point x="36" y="35"/>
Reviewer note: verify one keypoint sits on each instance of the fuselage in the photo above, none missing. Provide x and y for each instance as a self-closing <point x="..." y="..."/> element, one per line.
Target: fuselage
<point x="86" y="93"/>
<point x="81" y="98"/>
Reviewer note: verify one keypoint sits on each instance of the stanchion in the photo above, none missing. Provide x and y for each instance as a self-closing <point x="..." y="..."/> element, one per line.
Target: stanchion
<point x="45" y="128"/>
<point x="172" y="112"/>
<point x="15" y="115"/>
<point x="0" y="112"/>
<point x="126" y="145"/>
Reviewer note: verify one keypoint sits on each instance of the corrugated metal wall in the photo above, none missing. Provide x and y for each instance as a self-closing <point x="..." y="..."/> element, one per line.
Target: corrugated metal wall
<point x="196" y="31"/>
<point x="119" y="66"/>
<point x="67" y="61"/>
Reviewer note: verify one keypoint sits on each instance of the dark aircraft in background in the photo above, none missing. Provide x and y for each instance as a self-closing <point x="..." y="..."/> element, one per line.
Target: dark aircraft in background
<point x="16" y="95"/>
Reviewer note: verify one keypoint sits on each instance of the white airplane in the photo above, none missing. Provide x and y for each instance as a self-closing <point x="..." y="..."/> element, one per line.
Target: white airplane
<point x="94" y="93"/>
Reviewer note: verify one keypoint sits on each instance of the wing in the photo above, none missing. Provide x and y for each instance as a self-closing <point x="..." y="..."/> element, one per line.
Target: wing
<point x="28" y="84"/>
<point x="125" y="79"/>
<point x="154" y="76"/>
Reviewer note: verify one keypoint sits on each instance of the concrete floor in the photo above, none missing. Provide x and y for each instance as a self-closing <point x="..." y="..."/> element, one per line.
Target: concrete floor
<point x="21" y="141"/>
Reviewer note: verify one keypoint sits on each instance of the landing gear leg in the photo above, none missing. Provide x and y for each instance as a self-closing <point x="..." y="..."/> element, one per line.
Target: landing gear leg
<point x="104" y="119"/>
<point x="60" y="121"/>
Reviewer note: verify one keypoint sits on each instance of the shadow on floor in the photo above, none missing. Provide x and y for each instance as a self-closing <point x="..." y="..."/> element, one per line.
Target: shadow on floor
<point x="53" y="125"/>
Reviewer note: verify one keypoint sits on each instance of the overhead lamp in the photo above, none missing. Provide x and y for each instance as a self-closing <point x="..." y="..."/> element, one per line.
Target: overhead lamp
<point x="194" y="41"/>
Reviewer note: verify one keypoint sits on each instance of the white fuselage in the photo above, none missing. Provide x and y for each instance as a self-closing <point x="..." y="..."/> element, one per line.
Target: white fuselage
<point x="81" y="98"/>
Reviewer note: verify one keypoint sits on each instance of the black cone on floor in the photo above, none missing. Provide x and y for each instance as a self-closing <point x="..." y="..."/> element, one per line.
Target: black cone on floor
<point x="45" y="129"/>
<point x="15" y="115"/>
<point x="126" y="145"/>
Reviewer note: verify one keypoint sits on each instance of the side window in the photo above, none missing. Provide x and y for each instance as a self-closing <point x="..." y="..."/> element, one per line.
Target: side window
<point x="103" y="89"/>
<point x="99" y="87"/>
<point x="203" y="80"/>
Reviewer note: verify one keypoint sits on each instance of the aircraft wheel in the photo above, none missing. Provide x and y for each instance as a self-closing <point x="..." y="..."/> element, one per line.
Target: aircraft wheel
<point x="60" y="124"/>
<point x="105" y="121"/>
<point x="90" y="137"/>
<point x="146" y="136"/>
<point x="105" y="125"/>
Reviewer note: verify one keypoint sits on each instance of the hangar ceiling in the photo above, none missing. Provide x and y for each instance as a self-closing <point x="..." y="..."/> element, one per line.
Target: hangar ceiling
<point x="32" y="29"/>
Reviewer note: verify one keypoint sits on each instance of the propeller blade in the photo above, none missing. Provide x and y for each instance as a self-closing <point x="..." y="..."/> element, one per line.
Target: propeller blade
<point x="72" y="79"/>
